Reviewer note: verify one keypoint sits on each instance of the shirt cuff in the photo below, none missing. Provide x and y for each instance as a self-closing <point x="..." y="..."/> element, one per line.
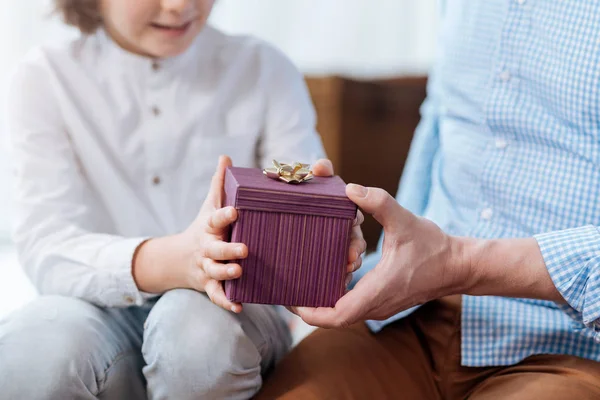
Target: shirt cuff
<point x="572" y="257"/>
<point x="117" y="260"/>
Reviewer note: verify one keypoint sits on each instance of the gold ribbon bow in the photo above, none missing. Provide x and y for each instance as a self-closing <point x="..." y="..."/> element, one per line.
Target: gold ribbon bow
<point x="294" y="173"/>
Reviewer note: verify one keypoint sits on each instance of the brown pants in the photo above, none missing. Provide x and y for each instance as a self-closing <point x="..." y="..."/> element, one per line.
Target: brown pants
<point x="419" y="358"/>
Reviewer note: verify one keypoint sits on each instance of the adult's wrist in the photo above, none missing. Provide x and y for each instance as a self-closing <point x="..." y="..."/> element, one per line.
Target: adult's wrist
<point x="463" y="264"/>
<point x="506" y="267"/>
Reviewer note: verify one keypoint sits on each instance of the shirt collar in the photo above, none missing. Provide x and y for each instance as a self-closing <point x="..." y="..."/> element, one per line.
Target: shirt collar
<point x="199" y="48"/>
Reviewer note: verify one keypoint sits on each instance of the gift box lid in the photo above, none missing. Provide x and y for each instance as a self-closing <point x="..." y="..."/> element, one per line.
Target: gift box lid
<point x="250" y="189"/>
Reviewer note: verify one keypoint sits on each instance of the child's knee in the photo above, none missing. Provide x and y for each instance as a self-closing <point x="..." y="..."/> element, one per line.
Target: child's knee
<point x="207" y="369"/>
<point x="205" y="354"/>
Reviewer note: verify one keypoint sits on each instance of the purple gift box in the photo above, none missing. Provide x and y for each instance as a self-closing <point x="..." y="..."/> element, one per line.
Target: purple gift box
<point x="297" y="236"/>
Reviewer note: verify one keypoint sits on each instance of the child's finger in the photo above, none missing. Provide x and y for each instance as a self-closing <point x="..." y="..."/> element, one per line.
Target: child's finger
<point x="221" y="272"/>
<point x="323" y="167"/>
<point x="360" y="218"/>
<point x="357" y="247"/>
<point x="357" y="244"/>
<point x="223" y="251"/>
<point x="348" y="280"/>
<point x="215" y="292"/>
<point x="221" y="219"/>
<point x="354" y="266"/>
<point x="357" y="232"/>
<point x="215" y="193"/>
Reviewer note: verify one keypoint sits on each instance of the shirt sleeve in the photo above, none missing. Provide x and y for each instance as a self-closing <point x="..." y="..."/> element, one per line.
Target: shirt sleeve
<point x="58" y="227"/>
<point x="415" y="183"/>
<point x="572" y="257"/>
<point x="289" y="133"/>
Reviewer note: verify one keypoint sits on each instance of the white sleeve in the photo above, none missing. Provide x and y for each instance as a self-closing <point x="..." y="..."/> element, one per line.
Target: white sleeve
<point x="58" y="238"/>
<point x="290" y="128"/>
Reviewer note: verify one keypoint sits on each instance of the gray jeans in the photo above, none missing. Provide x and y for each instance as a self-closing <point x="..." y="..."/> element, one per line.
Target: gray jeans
<point x="181" y="347"/>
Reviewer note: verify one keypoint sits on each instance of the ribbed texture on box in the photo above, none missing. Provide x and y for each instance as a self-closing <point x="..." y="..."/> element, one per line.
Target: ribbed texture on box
<point x="297" y="237"/>
<point x="294" y="259"/>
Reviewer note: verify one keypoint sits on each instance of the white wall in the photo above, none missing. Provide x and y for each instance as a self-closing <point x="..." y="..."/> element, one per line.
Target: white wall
<point x="354" y="37"/>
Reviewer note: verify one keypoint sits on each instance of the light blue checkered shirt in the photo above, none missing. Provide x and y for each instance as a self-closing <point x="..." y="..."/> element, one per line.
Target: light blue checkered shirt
<point x="509" y="146"/>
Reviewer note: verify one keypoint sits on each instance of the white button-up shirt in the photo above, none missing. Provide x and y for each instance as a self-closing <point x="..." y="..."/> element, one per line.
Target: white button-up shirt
<point x="112" y="148"/>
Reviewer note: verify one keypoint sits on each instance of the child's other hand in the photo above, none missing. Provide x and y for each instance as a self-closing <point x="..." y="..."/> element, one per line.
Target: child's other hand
<point x="207" y="236"/>
<point x="358" y="245"/>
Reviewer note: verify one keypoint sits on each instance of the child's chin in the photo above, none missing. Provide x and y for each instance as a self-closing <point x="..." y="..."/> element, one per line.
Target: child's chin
<point x="165" y="51"/>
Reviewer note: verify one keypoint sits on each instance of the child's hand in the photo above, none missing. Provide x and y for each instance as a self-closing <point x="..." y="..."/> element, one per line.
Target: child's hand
<point x="358" y="245"/>
<point x="194" y="259"/>
<point x="207" y="235"/>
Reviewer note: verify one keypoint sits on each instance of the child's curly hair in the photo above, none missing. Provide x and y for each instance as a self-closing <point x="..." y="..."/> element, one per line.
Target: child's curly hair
<point x="82" y="14"/>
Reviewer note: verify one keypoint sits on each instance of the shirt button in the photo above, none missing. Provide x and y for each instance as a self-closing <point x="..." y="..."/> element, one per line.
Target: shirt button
<point x="129" y="300"/>
<point x="501" y="143"/>
<point x="155" y="111"/>
<point x="156" y="180"/>
<point x="486" y="214"/>
<point x="505" y="75"/>
<point x="155" y="65"/>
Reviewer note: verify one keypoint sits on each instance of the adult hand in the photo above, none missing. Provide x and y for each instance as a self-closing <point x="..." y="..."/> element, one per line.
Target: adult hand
<point x="419" y="263"/>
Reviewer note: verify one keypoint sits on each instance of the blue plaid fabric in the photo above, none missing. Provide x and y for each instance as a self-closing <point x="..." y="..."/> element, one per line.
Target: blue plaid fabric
<point x="509" y="146"/>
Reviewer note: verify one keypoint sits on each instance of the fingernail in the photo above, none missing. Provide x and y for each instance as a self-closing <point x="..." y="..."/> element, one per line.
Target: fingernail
<point x="231" y="271"/>
<point x="230" y="213"/>
<point x="239" y="251"/>
<point x="233" y="308"/>
<point x="357" y="190"/>
<point x="348" y="279"/>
